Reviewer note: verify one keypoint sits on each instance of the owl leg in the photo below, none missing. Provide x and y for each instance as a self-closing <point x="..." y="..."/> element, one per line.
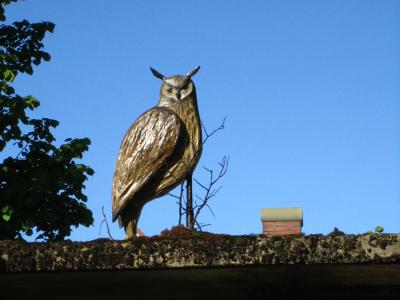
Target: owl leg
<point x="131" y="229"/>
<point x="129" y="219"/>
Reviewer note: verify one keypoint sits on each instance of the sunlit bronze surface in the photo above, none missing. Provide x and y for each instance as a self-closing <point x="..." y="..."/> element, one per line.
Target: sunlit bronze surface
<point x="159" y="150"/>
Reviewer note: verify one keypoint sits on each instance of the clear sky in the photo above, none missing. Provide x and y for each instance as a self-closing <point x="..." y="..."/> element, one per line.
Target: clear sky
<point x="310" y="89"/>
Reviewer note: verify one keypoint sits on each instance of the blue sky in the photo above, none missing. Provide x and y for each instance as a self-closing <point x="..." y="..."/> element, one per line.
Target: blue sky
<point x="310" y="90"/>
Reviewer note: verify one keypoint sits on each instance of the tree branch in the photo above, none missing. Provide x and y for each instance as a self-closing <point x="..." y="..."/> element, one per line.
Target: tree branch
<point x="105" y="221"/>
<point x="210" y="191"/>
<point x="208" y="135"/>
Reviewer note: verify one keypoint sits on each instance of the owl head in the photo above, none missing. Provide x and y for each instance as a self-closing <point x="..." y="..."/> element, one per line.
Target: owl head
<point x="176" y="89"/>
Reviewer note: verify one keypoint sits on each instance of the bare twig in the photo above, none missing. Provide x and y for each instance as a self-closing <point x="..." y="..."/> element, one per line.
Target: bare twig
<point x="200" y="226"/>
<point x="182" y="210"/>
<point x="206" y="204"/>
<point x="180" y="204"/>
<point x="105" y="221"/>
<point x="172" y="195"/>
<point x="209" y="189"/>
<point x="208" y="135"/>
<point x="22" y="149"/>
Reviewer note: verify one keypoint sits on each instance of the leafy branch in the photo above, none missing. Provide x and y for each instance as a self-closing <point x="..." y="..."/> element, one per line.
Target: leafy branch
<point x="42" y="186"/>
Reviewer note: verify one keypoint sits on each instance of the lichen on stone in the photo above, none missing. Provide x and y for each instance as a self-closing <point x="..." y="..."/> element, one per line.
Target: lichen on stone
<point x="199" y="251"/>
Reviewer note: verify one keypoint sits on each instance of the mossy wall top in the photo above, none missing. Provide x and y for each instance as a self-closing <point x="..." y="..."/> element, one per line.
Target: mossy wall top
<point x="198" y="252"/>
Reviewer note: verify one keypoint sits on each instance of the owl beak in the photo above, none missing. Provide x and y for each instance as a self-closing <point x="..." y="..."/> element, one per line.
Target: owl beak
<point x="178" y="95"/>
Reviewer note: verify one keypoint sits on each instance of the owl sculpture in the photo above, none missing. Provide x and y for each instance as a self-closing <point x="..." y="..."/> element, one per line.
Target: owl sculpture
<point x="159" y="151"/>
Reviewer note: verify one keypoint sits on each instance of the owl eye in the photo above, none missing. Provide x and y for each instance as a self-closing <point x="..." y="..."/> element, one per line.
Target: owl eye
<point x="169" y="90"/>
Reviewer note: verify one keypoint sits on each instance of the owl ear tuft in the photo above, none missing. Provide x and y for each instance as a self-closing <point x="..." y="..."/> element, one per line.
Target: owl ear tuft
<point x="157" y="74"/>
<point x="193" y="71"/>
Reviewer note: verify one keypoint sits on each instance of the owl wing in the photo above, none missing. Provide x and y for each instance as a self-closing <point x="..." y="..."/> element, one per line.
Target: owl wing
<point x="146" y="146"/>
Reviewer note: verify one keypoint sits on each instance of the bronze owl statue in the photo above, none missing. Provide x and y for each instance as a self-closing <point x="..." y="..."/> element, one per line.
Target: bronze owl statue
<point x="159" y="151"/>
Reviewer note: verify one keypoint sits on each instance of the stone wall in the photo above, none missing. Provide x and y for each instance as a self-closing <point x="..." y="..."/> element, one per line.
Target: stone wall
<point x="198" y="252"/>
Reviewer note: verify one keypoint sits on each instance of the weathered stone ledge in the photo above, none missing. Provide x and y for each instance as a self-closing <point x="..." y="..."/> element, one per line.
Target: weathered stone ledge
<point x="198" y="252"/>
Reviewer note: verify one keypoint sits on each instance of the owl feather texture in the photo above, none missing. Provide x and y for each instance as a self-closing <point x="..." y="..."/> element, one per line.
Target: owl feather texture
<point x="159" y="151"/>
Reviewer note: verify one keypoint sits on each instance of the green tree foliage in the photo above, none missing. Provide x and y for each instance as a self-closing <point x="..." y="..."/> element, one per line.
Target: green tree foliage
<point x="41" y="186"/>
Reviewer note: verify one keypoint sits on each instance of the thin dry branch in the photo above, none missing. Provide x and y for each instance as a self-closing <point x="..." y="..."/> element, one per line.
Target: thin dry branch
<point x="208" y="135"/>
<point x="180" y="197"/>
<point x="105" y="221"/>
<point x="200" y="226"/>
<point x="210" y="190"/>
